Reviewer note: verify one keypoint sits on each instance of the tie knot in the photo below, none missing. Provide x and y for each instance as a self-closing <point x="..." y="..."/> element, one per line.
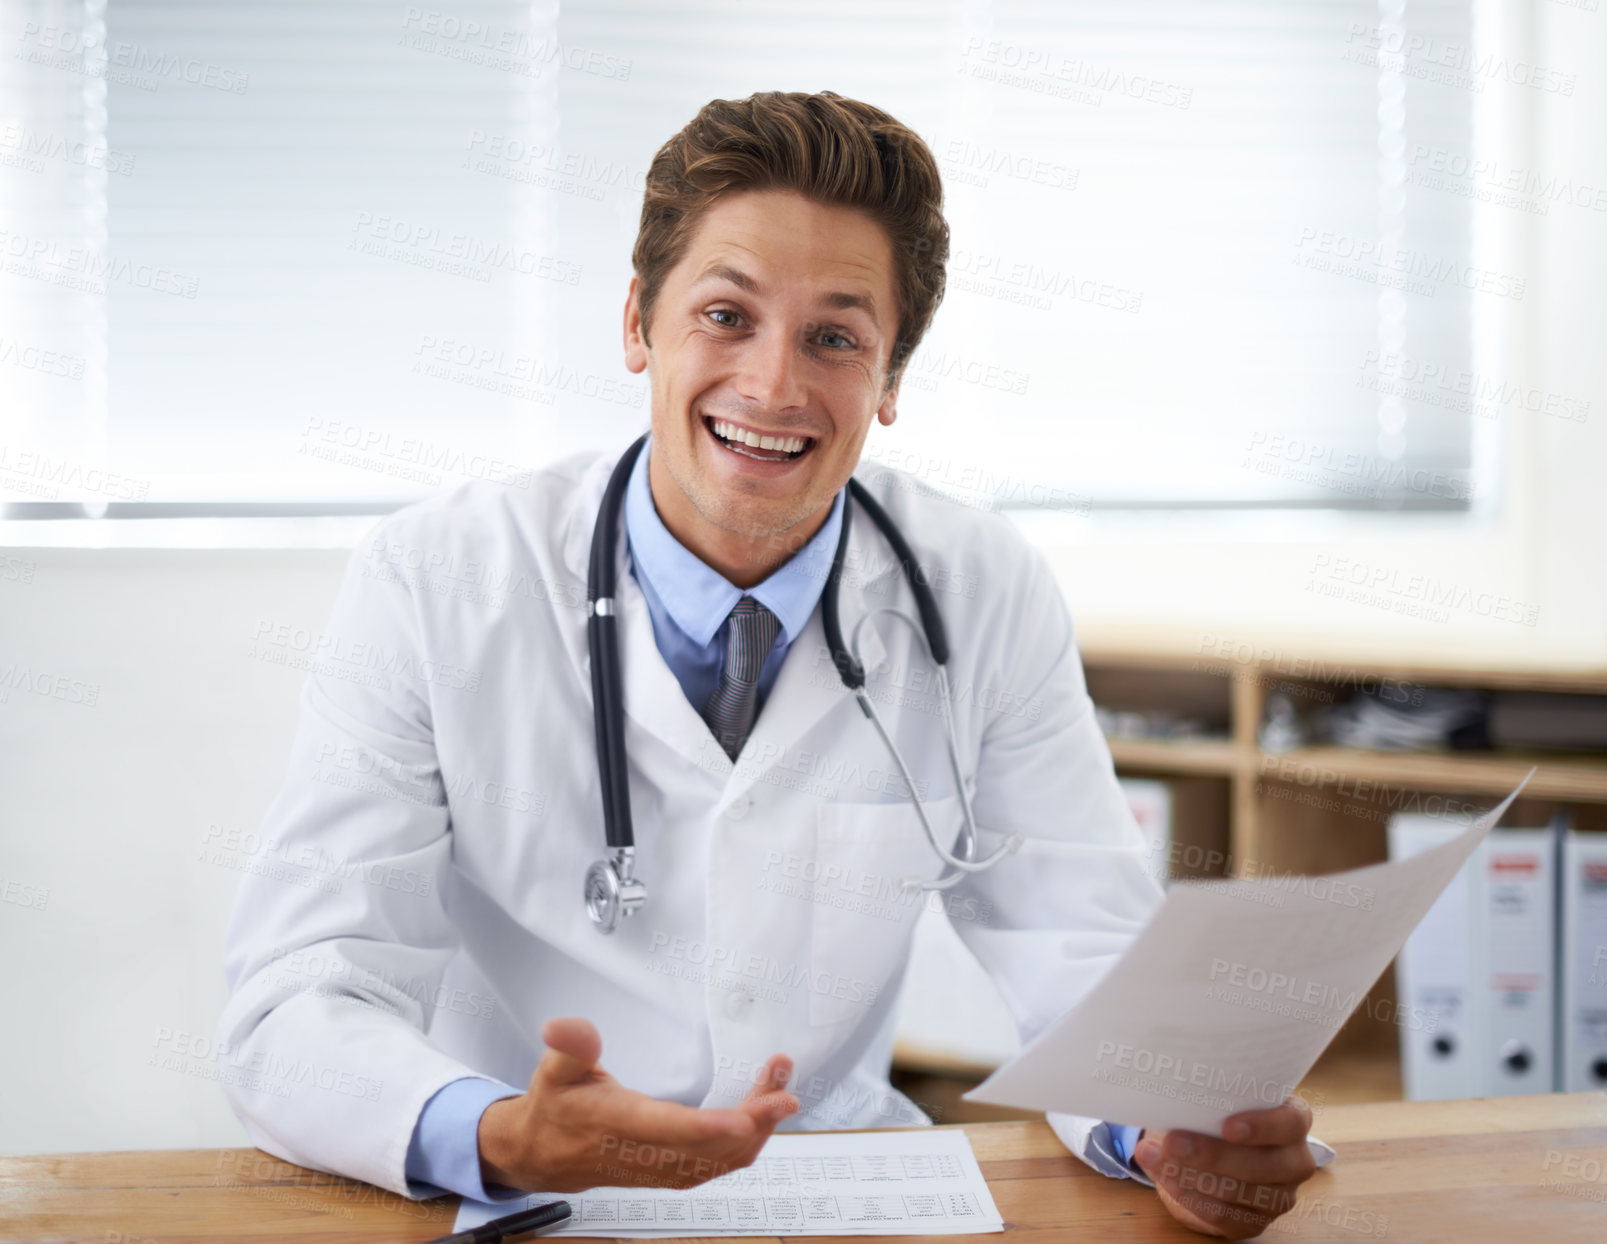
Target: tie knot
<point x="753" y="632"/>
<point x="730" y="710"/>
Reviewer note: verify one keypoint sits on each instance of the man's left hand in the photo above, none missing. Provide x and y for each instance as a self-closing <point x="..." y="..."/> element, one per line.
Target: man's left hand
<point x="1234" y="1186"/>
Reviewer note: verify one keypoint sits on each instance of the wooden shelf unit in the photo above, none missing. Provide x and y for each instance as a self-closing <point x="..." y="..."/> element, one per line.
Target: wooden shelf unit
<point x="1309" y="811"/>
<point x="1326" y="809"/>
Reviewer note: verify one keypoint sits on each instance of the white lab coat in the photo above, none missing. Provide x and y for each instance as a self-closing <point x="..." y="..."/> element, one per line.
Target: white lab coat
<point x="418" y="912"/>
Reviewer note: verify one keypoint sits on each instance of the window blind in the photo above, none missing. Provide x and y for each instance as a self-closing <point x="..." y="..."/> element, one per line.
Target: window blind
<point x="356" y="251"/>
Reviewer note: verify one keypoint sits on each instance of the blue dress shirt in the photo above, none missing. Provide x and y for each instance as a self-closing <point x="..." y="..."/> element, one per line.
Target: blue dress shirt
<point x="689" y="603"/>
<point x="1123" y="1137"/>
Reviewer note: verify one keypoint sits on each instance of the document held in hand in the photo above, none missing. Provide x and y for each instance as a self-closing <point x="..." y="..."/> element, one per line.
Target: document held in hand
<point x="1228" y="995"/>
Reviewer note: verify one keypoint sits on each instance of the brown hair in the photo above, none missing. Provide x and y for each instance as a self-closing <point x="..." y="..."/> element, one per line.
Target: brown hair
<point x="831" y="149"/>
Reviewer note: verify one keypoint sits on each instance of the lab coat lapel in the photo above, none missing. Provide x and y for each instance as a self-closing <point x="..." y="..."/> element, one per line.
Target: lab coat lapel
<point x="653" y="697"/>
<point x="808" y="686"/>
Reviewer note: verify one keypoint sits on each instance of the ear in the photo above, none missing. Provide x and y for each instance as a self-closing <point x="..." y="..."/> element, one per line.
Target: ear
<point x="636" y="347"/>
<point x="888" y="410"/>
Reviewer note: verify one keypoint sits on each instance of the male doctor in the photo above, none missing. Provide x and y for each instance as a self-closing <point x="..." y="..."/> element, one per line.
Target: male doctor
<point x="421" y="947"/>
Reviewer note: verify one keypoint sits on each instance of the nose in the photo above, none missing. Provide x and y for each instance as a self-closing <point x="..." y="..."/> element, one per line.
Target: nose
<point x="769" y="375"/>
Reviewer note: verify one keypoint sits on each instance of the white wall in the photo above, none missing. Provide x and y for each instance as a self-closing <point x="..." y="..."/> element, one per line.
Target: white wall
<point x="108" y="806"/>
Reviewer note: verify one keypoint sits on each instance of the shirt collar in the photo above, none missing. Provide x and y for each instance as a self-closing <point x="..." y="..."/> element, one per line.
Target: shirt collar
<point x="697" y="597"/>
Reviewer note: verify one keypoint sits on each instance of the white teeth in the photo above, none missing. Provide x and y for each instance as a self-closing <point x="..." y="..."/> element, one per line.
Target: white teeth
<point x="742" y="436"/>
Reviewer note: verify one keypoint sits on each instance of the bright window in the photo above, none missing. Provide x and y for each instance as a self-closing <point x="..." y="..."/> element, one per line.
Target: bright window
<point x="345" y="252"/>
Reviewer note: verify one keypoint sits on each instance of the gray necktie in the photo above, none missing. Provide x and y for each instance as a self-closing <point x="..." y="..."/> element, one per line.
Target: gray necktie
<point x="731" y="708"/>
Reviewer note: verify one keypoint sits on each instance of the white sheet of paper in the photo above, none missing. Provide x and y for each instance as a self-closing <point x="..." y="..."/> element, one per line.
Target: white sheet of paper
<point x="802" y="1183"/>
<point x="1226" y="998"/>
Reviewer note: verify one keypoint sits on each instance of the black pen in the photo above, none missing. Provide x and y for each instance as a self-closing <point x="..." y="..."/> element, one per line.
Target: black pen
<point x="520" y="1226"/>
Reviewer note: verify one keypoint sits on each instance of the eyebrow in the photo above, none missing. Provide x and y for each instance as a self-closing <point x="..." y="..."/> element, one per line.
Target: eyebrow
<point x="838" y="300"/>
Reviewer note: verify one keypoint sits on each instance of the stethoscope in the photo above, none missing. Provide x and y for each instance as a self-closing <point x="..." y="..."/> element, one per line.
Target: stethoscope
<point x="612" y="889"/>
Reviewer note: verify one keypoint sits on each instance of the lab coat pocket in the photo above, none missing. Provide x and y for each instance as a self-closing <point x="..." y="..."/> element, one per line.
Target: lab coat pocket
<point x="864" y="915"/>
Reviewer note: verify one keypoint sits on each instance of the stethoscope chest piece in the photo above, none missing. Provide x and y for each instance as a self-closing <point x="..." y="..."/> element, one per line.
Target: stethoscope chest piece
<point x="612" y="893"/>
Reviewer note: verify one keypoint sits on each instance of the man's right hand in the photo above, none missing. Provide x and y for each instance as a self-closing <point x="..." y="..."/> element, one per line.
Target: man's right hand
<point x="576" y="1127"/>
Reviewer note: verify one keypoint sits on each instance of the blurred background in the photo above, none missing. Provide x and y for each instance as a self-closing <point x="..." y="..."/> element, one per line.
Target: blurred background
<point x="1277" y="323"/>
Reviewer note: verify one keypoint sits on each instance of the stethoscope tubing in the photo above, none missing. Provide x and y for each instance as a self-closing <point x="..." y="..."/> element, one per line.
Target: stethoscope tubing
<point x="602" y="638"/>
<point x="608" y="714"/>
<point x="965" y="863"/>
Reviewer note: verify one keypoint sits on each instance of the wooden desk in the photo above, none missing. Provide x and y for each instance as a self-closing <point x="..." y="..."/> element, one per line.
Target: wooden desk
<point x="1515" y="1168"/>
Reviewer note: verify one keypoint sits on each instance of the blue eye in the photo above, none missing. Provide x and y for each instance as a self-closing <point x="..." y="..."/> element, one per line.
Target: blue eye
<point x="847" y="343"/>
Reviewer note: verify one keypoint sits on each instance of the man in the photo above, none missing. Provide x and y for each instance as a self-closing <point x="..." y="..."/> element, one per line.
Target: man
<point x="790" y="257"/>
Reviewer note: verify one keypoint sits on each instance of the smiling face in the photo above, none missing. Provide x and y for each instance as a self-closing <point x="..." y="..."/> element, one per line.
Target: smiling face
<point x="771" y="340"/>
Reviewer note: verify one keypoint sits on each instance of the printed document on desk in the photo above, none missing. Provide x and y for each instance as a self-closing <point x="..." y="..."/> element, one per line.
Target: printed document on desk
<point x="1226" y="998"/>
<point x="802" y="1183"/>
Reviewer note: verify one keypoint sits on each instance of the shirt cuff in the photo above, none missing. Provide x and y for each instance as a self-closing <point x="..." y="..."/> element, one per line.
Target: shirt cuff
<point x="1124" y="1136"/>
<point x="1096" y="1144"/>
<point x="444" y="1153"/>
